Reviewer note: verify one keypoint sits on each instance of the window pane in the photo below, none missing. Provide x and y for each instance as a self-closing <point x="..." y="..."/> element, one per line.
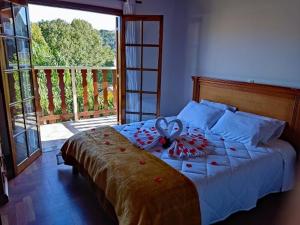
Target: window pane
<point x="30" y="114"/>
<point x="131" y="118"/>
<point x="133" y="57"/>
<point x="26" y="82"/>
<point x="148" y="117"/>
<point x="23" y="53"/>
<point x="149" y="103"/>
<point x="133" y="32"/>
<point x="150" y="81"/>
<point x="6" y="19"/>
<point x="21" y="148"/>
<point x="132" y="102"/>
<point x="151" y="32"/>
<point x="33" y="141"/>
<point x="14" y="87"/>
<point x="133" y="80"/>
<point x="10" y="52"/>
<point x="21" y="21"/>
<point x="17" y="118"/>
<point x="151" y="57"/>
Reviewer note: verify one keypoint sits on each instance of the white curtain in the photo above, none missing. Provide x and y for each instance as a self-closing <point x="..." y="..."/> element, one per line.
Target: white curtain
<point x="132" y="57"/>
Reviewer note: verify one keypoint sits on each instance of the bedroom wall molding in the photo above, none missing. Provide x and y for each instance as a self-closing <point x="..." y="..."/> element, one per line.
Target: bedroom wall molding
<point x="268" y="100"/>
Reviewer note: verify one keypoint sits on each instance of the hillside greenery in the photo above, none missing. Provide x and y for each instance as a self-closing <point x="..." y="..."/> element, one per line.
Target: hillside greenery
<point x="58" y="43"/>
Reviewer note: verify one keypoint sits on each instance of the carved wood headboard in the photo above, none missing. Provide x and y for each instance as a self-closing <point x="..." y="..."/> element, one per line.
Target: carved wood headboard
<point x="273" y="101"/>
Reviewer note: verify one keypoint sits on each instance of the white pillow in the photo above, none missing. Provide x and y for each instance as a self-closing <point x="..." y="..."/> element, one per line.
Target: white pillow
<point x="218" y="105"/>
<point x="274" y="128"/>
<point x="235" y="127"/>
<point x="200" y="115"/>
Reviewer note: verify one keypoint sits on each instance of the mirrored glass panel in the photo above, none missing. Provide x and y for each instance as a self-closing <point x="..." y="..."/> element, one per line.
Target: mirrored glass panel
<point x="149" y="103"/>
<point x="17" y="118"/>
<point x="150" y="81"/>
<point x="23" y="53"/>
<point x="151" y="55"/>
<point x="32" y="138"/>
<point x="21" y="148"/>
<point x="151" y="32"/>
<point x="14" y="87"/>
<point x="30" y="114"/>
<point x="133" y="57"/>
<point x="133" y="33"/>
<point x="10" y="51"/>
<point x="21" y="21"/>
<point x="133" y="80"/>
<point x="132" y="102"/>
<point x="6" y="19"/>
<point x="26" y="82"/>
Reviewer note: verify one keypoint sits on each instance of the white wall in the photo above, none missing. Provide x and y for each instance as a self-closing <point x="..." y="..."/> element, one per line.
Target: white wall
<point x="244" y="40"/>
<point x="173" y="49"/>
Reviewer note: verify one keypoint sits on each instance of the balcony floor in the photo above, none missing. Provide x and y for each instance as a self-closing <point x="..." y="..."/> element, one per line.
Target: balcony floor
<point x="54" y="135"/>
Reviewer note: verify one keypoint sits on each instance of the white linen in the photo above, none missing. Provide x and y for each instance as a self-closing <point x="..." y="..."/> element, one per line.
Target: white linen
<point x="232" y="177"/>
<point x="274" y="128"/>
<point x="247" y="130"/>
<point x="200" y="115"/>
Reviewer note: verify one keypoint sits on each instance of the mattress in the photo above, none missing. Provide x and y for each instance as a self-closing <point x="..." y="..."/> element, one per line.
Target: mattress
<point x="231" y="177"/>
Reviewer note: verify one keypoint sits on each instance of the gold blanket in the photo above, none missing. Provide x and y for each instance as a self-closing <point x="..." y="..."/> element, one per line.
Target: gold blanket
<point x="142" y="188"/>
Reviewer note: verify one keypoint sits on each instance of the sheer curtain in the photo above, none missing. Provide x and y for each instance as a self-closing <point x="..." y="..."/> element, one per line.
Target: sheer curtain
<point x="132" y="57"/>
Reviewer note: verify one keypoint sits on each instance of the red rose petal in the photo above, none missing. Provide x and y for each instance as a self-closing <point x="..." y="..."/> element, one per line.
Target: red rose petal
<point x="178" y="152"/>
<point x="200" y="148"/>
<point x="191" y="142"/>
<point x="106" y="135"/>
<point x="122" y="149"/>
<point x="150" y="138"/>
<point x="171" y="152"/>
<point x="157" y="179"/>
<point x="107" y="142"/>
<point x="149" y="142"/>
<point x="142" y="162"/>
<point x="193" y="151"/>
<point x="162" y="141"/>
<point x="188" y="165"/>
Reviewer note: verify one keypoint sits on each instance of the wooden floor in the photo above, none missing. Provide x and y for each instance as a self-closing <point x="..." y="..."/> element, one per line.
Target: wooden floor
<point x="47" y="194"/>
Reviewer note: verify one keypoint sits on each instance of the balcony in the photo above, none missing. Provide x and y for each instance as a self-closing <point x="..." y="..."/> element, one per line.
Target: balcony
<point x="73" y="99"/>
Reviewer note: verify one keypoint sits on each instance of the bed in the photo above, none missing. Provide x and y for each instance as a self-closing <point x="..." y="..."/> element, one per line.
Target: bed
<point x="233" y="172"/>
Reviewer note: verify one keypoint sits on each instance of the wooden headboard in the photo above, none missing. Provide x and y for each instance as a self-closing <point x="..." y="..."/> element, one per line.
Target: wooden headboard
<point x="267" y="100"/>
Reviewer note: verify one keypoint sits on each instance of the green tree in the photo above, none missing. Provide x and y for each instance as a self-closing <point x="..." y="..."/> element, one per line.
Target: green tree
<point x="41" y="54"/>
<point x="109" y="38"/>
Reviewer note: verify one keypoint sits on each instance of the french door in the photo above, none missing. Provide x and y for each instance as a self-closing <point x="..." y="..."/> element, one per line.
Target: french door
<point x="141" y="67"/>
<point x="17" y="83"/>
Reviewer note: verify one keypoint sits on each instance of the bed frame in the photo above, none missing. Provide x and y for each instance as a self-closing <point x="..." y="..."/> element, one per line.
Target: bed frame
<point x="273" y="101"/>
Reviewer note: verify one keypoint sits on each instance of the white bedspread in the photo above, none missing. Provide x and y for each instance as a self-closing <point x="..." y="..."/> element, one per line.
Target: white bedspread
<point x="231" y="178"/>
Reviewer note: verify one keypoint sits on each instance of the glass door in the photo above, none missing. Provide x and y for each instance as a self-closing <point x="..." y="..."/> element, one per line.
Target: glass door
<point x="141" y="50"/>
<point x="17" y="82"/>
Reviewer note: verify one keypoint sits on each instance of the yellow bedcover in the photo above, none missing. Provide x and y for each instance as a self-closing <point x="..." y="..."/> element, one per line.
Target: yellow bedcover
<point x="141" y="188"/>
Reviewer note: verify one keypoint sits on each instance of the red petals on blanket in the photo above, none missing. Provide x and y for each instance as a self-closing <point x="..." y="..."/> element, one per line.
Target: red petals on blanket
<point x="157" y="179"/>
<point x="107" y="142"/>
<point x="122" y="149"/>
<point x="188" y="165"/>
<point x="162" y="141"/>
<point x="214" y="163"/>
<point x="142" y="162"/>
<point x="106" y="135"/>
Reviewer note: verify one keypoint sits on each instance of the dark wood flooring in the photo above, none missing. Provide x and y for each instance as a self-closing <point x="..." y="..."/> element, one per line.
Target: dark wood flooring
<point x="47" y="194"/>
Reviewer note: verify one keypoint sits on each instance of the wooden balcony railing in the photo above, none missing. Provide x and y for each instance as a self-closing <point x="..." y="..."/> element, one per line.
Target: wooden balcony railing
<point x="74" y="92"/>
